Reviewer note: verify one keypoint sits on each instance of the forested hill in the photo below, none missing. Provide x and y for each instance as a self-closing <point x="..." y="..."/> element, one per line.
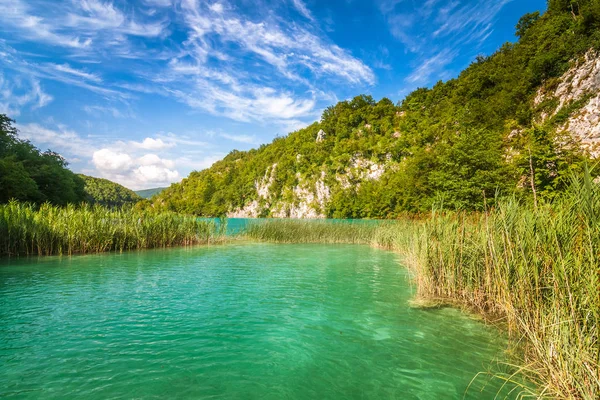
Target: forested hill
<point x="27" y="174"/>
<point x="108" y="193"/>
<point x="148" y="193"/>
<point x="30" y="175"/>
<point x="517" y="121"/>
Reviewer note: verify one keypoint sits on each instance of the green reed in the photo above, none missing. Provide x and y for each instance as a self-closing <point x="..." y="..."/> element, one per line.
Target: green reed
<point x="29" y="230"/>
<point x="310" y="231"/>
<point x="536" y="270"/>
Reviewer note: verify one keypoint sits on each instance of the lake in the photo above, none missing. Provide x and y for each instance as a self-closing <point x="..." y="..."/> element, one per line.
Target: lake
<point x="239" y="321"/>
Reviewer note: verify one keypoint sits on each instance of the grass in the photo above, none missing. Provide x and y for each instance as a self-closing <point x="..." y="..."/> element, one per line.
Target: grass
<point x="535" y="269"/>
<point x="49" y="230"/>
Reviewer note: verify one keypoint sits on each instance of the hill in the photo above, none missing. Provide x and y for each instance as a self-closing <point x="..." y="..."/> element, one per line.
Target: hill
<point x="519" y="121"/>
<point x="28" y="174"/>
<point x="148" y="193"/>
<point x="108" y="193"/>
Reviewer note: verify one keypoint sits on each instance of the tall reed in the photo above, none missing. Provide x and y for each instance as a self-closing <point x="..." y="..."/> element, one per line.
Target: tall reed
<point x="47" y="230"/>
<point x="535" y="269"/>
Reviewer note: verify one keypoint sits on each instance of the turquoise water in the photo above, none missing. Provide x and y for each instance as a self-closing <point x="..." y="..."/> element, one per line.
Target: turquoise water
<point x="236" y="225"/>
<point x="242" y="321"/>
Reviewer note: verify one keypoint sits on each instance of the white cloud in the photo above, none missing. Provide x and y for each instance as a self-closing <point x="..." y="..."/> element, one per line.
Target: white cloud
<point x="118" y="161"/>
<point x="134" y="172"/>
<point x="217" y="7"/>
<point x="155" y="175"/>
<point x="152" y="144"/>
<point x="107" y="160"/>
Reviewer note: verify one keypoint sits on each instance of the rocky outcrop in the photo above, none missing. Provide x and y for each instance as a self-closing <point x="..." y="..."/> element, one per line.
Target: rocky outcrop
<point x="263" y="191"/>
<point x="321" y="135"/>
<point x="360" y="169"/>
<point x="580" y="82"/>
<point x="308" y="199"/>
<point x="585" y="124"/>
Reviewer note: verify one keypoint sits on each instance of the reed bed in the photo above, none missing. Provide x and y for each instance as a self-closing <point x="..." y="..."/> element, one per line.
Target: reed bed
<point x="536" y="270"/>
<point x="310" y="231"/>
<point x="50" y="230"/>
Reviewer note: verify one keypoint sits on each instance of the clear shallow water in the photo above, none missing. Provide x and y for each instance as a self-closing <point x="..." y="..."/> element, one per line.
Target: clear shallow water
<point x="244" y="321"/>
<point x="236" y="225"/>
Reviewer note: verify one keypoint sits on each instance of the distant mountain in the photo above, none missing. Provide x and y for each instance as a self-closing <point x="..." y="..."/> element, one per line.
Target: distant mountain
<point x="108" y="193"/>
<point x="148" y="193"/>
<point x="519" y="121"/>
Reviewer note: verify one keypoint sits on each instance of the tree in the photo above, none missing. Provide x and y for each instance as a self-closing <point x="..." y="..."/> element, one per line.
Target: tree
<point x="526" y="22"/>
<point x="27" y="174"/>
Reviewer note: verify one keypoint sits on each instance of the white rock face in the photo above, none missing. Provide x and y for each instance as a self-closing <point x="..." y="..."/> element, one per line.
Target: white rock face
<point x="251" y="210"/>
<point x="310" y="202"/>
<point x="586" y="126"/>
<point x="321" y="135"/>
<point x="581" y="80"/>
<point x="263" y="186"/>
<point x="361" y="169"/>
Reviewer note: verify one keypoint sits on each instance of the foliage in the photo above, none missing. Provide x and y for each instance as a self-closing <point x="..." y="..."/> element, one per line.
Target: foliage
<point x="27" y="174"/>
<point x="47" y="230"/>
<point x="534" y="268"/>
<point x="107" y="193"/>
<point x="460" y="142"/>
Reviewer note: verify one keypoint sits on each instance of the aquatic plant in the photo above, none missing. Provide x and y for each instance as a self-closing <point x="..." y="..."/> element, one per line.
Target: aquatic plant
<point x="534" y="269"/>
<point x="29" y="230"/>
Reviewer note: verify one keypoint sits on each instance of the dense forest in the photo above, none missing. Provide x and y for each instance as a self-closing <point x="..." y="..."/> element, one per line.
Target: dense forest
<point x="107" y="193"/>
<point x="27" y="174"/>
<point x="459" y="144"/>
<point x="30" y="175"/>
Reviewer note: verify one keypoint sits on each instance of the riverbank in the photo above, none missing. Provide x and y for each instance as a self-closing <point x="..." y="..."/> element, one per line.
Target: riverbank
<point x="535" y="268"/>
<point x="51" y="230"/>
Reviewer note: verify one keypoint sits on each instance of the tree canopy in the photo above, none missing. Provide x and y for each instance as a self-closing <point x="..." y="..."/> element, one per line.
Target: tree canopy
<point x="108" y="193"/>
<point x="28" y="174"/>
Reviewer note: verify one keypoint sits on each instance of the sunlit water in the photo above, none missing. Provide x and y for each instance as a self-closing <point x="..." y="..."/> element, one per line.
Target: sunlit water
<point x="244" y="321"/>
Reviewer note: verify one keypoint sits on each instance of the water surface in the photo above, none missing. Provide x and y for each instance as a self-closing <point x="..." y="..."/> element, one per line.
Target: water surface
<point x="243" y="321"/>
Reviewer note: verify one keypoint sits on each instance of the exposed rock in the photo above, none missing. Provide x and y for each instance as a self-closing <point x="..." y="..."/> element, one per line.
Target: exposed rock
<point x="251" y="210"/>
<point x="263" y="186"/>
<point x="321" y="135"/>
<point x="309" y="203"/>
<point x="585" y="125"/>
<point x="581" y="80"/>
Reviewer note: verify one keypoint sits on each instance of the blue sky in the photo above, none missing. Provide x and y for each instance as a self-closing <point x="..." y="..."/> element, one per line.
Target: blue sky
<point x="144" y="91"/>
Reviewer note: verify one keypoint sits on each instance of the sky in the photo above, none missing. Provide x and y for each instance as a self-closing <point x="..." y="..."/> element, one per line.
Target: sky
<point x="143" y="92"/>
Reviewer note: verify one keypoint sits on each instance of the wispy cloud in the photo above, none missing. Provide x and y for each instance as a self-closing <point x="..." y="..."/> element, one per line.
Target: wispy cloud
<point x="66" y="68"/>
<point x="247" y="139"/>
<point x="438" y="31"/>
<point x="75" y="24"/>
<point x="303" y="9"/>
<point x="431" y="66"/>
<point x="15" y="95"/>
